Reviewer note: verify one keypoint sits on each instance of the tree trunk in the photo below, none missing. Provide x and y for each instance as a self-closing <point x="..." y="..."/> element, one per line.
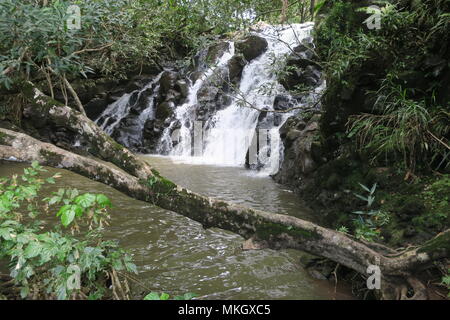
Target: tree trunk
<point x="311" y="9"/>
<point x="53" y="114"/>
<point x="273" y="230"/>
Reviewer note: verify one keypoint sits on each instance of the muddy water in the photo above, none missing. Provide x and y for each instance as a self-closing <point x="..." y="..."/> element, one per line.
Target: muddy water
<point x="176" y="255"/>
<point x="234" y="184"/>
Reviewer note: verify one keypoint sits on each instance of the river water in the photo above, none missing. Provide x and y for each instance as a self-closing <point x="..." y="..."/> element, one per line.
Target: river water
<point x="176" y="255"/>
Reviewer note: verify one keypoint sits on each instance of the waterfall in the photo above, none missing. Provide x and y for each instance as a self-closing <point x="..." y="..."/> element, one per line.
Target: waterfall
<point x="232" y="130"/>
<point x="117" y="112"/>
<point x="239" y="128"/>
<point x="185" y="114"/>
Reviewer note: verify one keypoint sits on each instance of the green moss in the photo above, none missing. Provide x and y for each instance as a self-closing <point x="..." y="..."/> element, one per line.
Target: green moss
<point x="437" y="244"/>
<point x="266" y="230"/>
<point x="221" y="204"/>
<point x="51" y="158"/>
<point x="5" y="138"/>
<point x="156" y="172"/>
<point x="165" y="186"/>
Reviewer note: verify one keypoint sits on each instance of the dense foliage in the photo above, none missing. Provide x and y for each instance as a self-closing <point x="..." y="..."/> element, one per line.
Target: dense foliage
<point x="390" y="84"/>
<point x="68" y="261"/>
<point x="117" y="35"/>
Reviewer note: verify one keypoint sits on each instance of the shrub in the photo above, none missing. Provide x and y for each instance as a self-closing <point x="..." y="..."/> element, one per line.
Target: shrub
<point x="55" y="263"/>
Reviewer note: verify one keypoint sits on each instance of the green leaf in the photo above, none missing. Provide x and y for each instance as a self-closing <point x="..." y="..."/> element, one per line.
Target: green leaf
<point x="67" y="217"/>
<point x="361" y="197"/>
<point x="50" y="180"/>
<point x="68" y="213"/>
<point x="164" y="296"/>
<point x="364" y="187"/>
<point x="32" y="250"/>
<point x="5" y="233"/>
<point x="63" y="209"/>
<point x="152" y="296"/>
<point x="24" y="292"/>
<point x="190" y="296"/>
<point x="86" y="200"/>
<point x="103" y="201"/>
<point x="35" y="165"/>
<point x="131" y="267"/>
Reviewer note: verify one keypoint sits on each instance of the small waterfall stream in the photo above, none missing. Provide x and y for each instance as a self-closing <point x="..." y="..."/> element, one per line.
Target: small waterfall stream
<point x="185" y="114"/>
<point x="231" y="132"/>
<point x="242" y="131"/>
<point x="139" y="102"/>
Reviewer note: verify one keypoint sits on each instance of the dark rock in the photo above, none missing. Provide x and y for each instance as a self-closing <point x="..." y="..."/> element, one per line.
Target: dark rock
<point x="133" y="85"/>
<point x="216" y="51"/>
<point x="316" y="274"/>
<point x="302" y="66"/>
<point x="333" y="181"/>
<point x="412" y="79"/>
<point x="167" y="81"/>
<point x="409" y="232"/>
<point x="410" y="209"/>
<point x="235" y="67"/>
<point x="183" y="87"/>
<point x="95" y="107"/>
<point x="284" y="102"/>
<point x="302" y="150"/>
<point x="309" y="76"/>
<point x="164" y="110"/>
<point x="252" y="47"/>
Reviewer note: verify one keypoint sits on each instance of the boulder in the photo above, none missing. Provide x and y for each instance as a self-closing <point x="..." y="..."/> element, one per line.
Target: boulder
<point x="302" y="149"/>
<point x="215" y="51"/>
<point x="251" y="47"/>
<point x="303" y="70"/>
<point x="235" y="67"/>
<point x="167" y="81"/>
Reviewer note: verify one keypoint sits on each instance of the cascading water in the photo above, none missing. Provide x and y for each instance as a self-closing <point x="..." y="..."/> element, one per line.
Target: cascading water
<point x="143" y="101"/>
<point x="232" y="130"/>
<point x="185" y="114"/>
<point x="240" y="129"/>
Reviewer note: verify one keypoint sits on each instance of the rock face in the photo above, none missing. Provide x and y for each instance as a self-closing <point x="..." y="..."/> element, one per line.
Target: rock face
<point x="97" y="93"/>
<point x="251" y="47"/>
<point x="302" y="70"/>
<point x="128" y="131"/>
<point x="302" y="149"/>
<point x="140" y="129"/>
<point x="300" y="134"/>
<point x="173" y="90"/>
<point x="235" y="67"/>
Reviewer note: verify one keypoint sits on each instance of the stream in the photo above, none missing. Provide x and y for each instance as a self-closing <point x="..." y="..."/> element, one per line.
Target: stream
<point x="176" y="255"/>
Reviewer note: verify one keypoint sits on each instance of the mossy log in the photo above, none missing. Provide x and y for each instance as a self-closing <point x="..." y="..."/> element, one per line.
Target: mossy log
<point x="273" y="230"/>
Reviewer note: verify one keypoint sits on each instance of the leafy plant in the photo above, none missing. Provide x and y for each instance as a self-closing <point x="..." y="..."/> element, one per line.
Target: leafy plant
<point x="368" y="222"/>
<point x="55" y="264"/>
<point x="404" y="127"/>
<point x="343" y="229"/>
<point x="446" y="282"/>
<point x="165" y="296"/>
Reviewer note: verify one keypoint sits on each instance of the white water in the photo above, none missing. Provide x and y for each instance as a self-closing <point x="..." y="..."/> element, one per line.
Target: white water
<point x="121" y="108"/>
<point x="233" y="128"/>
<point x="231" y="134"/>
<point x="185" y="113"/>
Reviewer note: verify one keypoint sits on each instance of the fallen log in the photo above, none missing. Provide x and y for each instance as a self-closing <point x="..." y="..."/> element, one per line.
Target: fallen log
<point x="50" y="113"/>
<point x="274" y="230"/>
